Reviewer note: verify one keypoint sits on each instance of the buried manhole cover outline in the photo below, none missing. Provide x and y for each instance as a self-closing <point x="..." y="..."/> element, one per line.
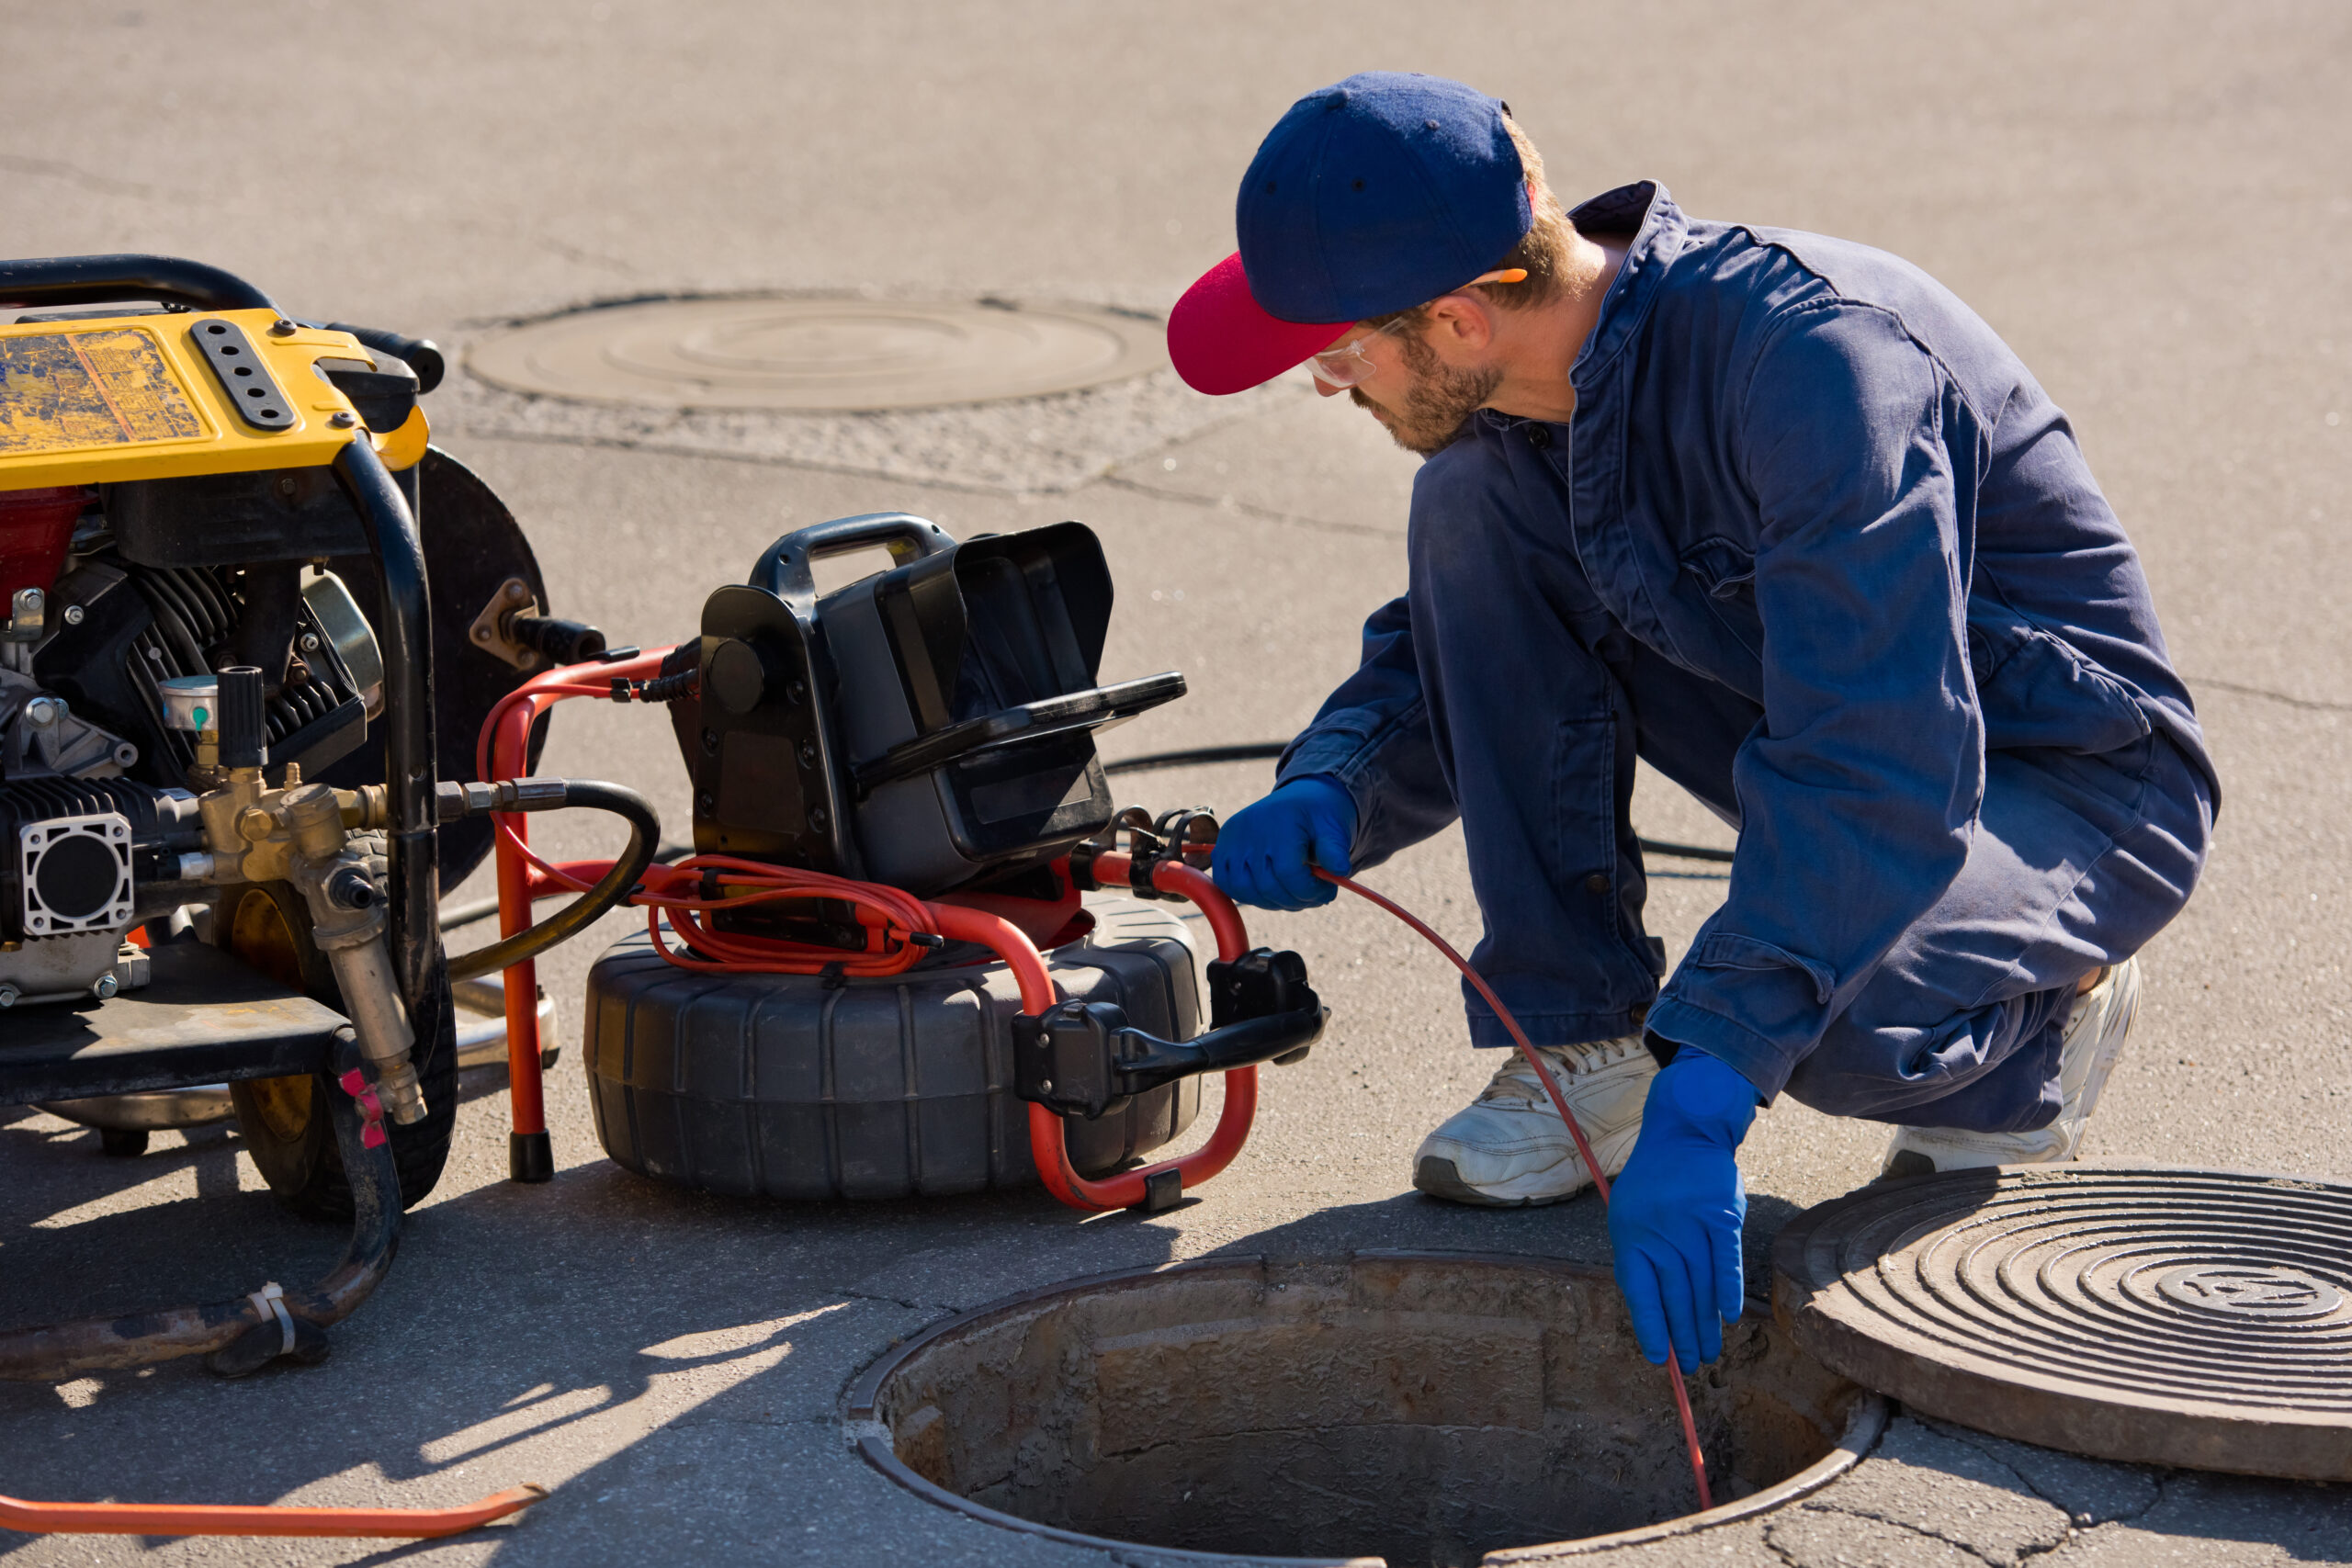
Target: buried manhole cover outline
<point x="2166" y="1316"/>
<point x="1427" y="1408"/>
<point x="819" y="353"/>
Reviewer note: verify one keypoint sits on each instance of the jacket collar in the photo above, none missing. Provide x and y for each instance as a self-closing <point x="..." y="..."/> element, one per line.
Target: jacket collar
<point x="1658" y="228"/>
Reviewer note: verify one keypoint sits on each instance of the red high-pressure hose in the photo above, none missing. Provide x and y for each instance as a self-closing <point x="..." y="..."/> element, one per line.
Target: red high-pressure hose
<point x="207" y="1519"/>
<point x="1544" y="1077"/>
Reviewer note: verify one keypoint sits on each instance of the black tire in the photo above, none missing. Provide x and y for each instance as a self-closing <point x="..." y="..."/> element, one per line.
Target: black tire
<point x="284" y="1121"/>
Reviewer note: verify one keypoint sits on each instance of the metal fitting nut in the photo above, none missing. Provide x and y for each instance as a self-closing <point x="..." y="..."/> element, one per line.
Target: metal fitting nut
<point x="254" y="824"/>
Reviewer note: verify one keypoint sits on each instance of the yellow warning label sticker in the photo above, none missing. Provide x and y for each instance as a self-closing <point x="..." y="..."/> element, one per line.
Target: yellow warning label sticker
<point x="72" y="391"/>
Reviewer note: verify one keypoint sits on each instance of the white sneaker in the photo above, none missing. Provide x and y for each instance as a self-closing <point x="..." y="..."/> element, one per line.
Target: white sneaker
<point x="1508" y="1147"/>
<point x="2094" y="1039"/>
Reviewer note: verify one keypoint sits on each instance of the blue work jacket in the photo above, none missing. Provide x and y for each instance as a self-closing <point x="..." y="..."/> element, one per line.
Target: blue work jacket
<point x="1802" y="468"/>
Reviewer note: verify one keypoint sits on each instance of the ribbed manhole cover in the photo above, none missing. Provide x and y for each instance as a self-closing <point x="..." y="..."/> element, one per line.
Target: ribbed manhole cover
<point x="811" y="356"/>
<point x="2184" y="1318"/>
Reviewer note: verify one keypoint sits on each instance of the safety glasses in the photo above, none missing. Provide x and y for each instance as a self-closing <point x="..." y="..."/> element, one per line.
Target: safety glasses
<point x="1349" y="365"/>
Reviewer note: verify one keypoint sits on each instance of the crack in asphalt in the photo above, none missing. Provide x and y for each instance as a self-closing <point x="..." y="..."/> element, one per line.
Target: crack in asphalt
<point x="933" y="1307"/>
<point x="55" y="169"/>
<point x="2312" y="704"/>
<point x="1926" y="1533"/>
<point x="2155" y="1478"/>
<point x="2072" y="1528"/>
<point x="1247" y="508"/>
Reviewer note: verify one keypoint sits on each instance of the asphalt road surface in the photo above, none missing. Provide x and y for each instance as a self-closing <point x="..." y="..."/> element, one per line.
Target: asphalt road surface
<point x="2148" y="200"/>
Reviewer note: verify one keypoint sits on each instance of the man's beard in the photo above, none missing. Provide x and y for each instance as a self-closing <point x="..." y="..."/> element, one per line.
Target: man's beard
<point x="1441" y="400"/>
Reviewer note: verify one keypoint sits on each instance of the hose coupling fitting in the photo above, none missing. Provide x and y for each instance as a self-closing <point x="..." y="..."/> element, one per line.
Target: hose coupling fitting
<point x="453" y="801"/>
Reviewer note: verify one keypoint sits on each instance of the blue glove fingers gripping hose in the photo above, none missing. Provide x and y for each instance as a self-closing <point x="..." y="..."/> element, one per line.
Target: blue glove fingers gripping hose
<point x="1675" y="1214"/>
<point x="1266" y="855"/>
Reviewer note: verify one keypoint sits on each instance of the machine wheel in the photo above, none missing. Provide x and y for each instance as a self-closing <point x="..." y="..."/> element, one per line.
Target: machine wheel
<point x="284" y="1121"/>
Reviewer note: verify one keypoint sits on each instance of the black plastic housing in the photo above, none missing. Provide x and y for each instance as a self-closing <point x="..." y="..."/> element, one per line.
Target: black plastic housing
<point x="923" y="727"/>
<point x="1083" y="1058"/>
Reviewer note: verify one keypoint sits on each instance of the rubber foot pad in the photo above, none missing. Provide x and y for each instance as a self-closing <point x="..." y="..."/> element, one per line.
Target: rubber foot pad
<point x="529" y="1157"/>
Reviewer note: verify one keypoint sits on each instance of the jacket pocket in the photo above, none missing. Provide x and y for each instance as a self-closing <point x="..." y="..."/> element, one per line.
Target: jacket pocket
<point x="1722" y="568"/>
<point x="2038" y="691"/>
<point x="1729" y="950"/>
<point x="1726" y="572"/>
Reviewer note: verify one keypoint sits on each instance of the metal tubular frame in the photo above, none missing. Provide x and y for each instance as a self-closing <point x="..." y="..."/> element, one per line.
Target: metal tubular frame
<point x="96" y="280"/>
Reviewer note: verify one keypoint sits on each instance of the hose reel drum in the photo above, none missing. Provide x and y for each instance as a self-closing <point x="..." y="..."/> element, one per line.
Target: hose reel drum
<point x="931" y="727"/>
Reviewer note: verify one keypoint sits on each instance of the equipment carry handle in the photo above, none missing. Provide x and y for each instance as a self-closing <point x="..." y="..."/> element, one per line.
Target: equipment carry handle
<point x="421" y="355"/>
<point x="785" y="569"/>
<point x="99" y="280"/>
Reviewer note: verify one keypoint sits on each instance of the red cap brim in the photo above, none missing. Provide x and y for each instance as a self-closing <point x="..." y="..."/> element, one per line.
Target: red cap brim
<point x="1222" y="340"/>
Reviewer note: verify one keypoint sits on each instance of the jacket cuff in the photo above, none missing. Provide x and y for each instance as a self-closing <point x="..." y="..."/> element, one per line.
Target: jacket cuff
<point x="1332" y="753"/>
<point x="1758" y="1060"/>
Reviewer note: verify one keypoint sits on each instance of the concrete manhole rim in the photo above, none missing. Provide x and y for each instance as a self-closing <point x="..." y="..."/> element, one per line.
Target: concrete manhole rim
<point x="505" y="356"/>
<point x="1939" y="1374"/>
<point x="862" y="1419"/>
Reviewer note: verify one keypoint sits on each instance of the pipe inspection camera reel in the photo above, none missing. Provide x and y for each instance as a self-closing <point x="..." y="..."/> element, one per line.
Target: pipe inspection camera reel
<point x="927" y="732"/>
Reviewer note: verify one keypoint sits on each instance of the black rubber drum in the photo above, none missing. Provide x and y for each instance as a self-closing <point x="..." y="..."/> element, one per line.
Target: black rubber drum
<point x="776" y="1086"/>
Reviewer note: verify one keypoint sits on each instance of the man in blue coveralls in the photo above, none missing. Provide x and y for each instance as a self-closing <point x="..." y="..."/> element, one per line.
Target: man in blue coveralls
<point x="1780" y="515"/>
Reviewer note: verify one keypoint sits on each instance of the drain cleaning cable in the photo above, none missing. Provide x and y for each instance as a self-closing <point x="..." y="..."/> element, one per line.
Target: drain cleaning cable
<point x="1559" y="1103"/>
<point x="1266" y="750"/>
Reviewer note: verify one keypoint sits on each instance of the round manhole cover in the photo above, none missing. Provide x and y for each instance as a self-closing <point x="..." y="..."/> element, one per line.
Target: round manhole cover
<point x="2185" y="1317"/>
<point x="817" y="355"/>
<point x="1424" y="1408"/>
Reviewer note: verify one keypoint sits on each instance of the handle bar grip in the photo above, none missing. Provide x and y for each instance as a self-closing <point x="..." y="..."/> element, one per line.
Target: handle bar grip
<point x="421" y="355"/>
<point x="783" y="568"/>
<point x="92" y="280"/>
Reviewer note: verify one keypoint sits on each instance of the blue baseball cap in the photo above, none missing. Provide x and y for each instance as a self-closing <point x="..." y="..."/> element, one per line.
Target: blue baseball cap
<point x="1376" y="194"/>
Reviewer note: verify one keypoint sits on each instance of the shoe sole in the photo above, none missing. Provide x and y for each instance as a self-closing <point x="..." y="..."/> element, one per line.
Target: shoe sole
<point x="1441" y="1178"/>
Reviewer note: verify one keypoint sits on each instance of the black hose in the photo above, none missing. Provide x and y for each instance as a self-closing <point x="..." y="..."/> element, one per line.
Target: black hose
<point x="404" y="628"/>
<point x="473" y="911"/>
<point x="239" y="1334"/>
<point x="644" y="836"/>
<point x="1265" y="751"/>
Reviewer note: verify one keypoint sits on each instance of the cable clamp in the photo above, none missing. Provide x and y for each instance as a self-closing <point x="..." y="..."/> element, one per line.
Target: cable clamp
<point x="270" y="1299"/>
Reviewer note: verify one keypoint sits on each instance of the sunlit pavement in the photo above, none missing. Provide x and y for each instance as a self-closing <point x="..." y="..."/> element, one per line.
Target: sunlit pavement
<point x="2147" y="200"/>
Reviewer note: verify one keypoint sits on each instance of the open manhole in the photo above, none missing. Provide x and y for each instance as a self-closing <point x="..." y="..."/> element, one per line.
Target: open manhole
<point x="805" y="355"/>
<point x="2167" y="1316"/>
<point x="1424" y="1408"/>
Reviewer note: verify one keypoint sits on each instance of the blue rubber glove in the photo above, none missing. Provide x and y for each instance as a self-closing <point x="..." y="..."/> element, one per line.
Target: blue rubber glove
<point x="1265" y="854"/>
<point x="1675" y="1214"/>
